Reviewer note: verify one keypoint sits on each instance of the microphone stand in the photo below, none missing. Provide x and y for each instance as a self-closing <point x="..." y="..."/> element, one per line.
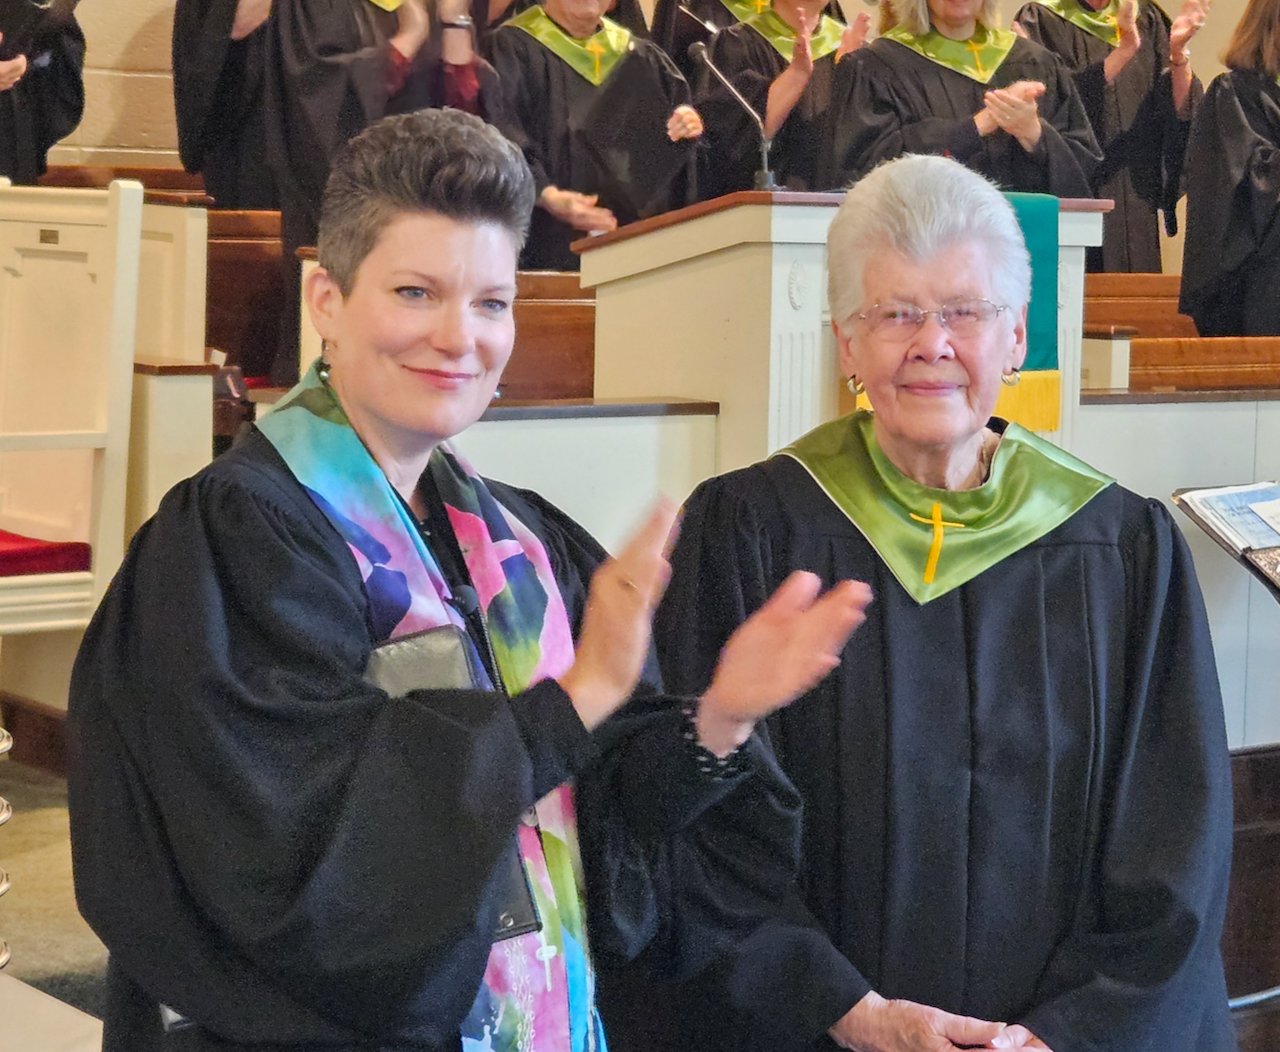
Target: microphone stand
<point x="764" y="177"/>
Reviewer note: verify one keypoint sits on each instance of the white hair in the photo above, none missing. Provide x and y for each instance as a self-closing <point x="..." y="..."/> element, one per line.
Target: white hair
<point x="913" y="15"/>
<point x="919" y="207"/>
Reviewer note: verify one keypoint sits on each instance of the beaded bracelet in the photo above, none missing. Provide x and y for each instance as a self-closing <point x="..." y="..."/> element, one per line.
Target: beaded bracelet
<point x="720" y="768"/>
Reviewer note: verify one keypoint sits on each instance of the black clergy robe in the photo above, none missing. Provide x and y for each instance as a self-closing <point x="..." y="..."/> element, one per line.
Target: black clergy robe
<point x="218" y="95"/>
<point x="732" y="138"/>
<point x="548" y="112"/>
<point x="887" y="100"/>
<point x="47" y="103"/>
<point x="1142" y="138"/>
<point x="1017" y="795"/>
<point x="290" y="858"/>
<point x="1231" y="258"/>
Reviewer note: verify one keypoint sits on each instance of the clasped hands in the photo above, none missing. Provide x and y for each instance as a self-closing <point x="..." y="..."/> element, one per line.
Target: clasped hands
<point x="1013" y="110"/>
<point x="583" y="211"/>
<point x="878" y="1025"/>
<point x="777" y="654"/>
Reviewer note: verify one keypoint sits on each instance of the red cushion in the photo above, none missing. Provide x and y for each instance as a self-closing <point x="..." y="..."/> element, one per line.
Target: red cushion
<point x="256" y="382"/>
<point x="25" y="555"/>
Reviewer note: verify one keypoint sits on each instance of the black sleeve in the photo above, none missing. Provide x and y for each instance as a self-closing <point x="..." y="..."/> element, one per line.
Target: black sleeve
<point x="44" y="106"/>
<point x="1068" y="151"/>
<point x="513" y="55"/>
<point x="1233" y="194"/>
<point x="339" y="845"/>
<point x="784" y="983"/>
<point x="733" y="139"/>
<point x="1143" y="959"/>
<point x="201" y="45"/>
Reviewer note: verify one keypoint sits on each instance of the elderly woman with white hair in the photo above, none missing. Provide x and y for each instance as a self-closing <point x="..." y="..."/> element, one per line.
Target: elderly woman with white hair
<point x="945" y="78"/>
<point x="1016" y="784"/>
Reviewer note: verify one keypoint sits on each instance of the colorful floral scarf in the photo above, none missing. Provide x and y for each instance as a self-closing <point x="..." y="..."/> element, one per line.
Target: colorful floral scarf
<point x="538" y="992"/>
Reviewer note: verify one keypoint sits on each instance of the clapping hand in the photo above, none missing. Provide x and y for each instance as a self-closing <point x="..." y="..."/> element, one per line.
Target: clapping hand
<point x="854" y="35"/>
<point x="11" y="70"/>
<point x="1188" y="23"/>
<point x="580" y="211"/>
<point x="684" y="123"/>
<point x="777" y="654"/>
<point x="1014" y="110"/>
<point x="617" y="622"/>
<point x="802" y="55"/>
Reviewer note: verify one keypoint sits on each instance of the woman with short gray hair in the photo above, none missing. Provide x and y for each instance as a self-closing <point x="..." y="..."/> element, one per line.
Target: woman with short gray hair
<point x="947" y="78"/>
<point x="1016" y="785"/>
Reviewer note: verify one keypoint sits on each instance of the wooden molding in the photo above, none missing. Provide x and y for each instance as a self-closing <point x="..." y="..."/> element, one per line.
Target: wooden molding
<point x="39" y="733"/>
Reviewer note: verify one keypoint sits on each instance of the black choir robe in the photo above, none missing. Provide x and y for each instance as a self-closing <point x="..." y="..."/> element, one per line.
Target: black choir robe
<point x="290" y="858"/>
<point x="1231" y="258"/>
<point x="732" y="138"/>
<point x="218" y="95"/>
<point x="627" y="13"/>
<point x="545" y="111"/>
<point x="1142" y="137"/>
<point x="1017" y="796"/>
<point x="46" y="105"/>
<point x="887" y="101"/>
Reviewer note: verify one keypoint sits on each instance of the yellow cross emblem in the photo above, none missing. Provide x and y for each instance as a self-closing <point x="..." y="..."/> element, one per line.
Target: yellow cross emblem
<point x="761" y="5"/>
<point x="596" y="49"/>
<point x="976" y="50"/>
<point x="935" y="549"/>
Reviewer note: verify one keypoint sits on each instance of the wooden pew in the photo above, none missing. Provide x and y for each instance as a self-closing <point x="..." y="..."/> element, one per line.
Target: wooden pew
<point x="1204" y="362"/>
<point x="1147" y="303"/>
<point x="245" y="288"/>
<point x="555" y="350"/>
<point x="96" y="176"/>
<point x="1251" y="938"/>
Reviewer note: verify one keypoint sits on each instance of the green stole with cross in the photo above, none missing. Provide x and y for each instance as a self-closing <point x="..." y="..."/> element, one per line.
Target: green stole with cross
<point x="1103" y="23"/>
<point x="935" y="540"/>
<point x="977" y="58"/>
<point x="593" y="58"/>
<point x="782" y="38"/>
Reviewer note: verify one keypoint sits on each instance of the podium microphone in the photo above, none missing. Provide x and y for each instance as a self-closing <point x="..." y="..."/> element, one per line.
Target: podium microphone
<point x="764" y="177"/>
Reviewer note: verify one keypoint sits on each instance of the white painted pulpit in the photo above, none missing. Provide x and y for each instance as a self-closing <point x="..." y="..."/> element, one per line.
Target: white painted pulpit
<point x="726" y="301"/>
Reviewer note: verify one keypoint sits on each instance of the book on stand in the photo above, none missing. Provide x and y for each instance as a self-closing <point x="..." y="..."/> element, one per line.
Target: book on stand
<point x="1244" y="520"/>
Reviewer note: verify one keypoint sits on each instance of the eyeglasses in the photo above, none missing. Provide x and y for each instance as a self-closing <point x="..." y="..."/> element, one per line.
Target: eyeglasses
<point x="964" y="318"/>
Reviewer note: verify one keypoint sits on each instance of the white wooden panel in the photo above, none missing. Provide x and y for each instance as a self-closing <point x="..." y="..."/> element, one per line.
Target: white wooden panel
<point x="605" y="473"/>
<point x="170" y="439"/>
<point x="36" y="1022"/>
<point x="1156" y="449"/>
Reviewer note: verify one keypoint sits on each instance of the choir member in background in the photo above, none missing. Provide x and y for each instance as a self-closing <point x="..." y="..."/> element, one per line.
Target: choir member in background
<point x="219" y="68"/>
<point x="41" y="86"/>
<point x="782" y="61"/>
<point x="280" y="853"/>
<point x="492" y="13"/>
<point x="1133" y="70"/>
<point x="1231" y="258"/>
<point x="947" y="79"/>
<point x="603" y="119"/>
<point x="334" y="67"/>
<point x="1017" y="794"/>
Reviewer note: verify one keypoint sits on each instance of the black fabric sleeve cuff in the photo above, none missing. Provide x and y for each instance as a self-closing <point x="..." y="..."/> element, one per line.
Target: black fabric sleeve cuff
<point x="558" y="742"/>
<point x="965" y="141"/>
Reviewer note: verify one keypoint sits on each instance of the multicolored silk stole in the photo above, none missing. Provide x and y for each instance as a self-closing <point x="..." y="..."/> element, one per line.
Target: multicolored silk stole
<point x="593" y="58"/>
<point x="977" y="58"/>
<point x="936" y="540"/>
<point x="538" y="992"/>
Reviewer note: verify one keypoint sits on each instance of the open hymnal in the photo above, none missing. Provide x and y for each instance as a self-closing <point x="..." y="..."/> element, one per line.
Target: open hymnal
<point x="1245" y="520"/>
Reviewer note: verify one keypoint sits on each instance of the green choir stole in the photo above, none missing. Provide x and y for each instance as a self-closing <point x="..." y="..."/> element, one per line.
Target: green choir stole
<point x="593" y="59"/>
<point x="782" y="38"/>
<point x="977" y="58"/>
<point x="1103" y="23"/>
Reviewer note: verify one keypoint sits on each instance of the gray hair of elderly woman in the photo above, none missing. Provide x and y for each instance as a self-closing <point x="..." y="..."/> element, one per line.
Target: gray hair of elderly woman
<point x="443" y="162"/>
<point x="913" y="15"/>
<point x="919" y="207"/>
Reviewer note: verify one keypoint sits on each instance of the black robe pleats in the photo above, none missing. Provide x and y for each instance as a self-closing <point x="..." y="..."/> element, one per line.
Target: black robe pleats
<point x="46" y="105"/>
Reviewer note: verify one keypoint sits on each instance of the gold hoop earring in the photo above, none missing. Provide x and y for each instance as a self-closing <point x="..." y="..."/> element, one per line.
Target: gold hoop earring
<point x="856" y="386"/>
<point x="1011" y="378"/>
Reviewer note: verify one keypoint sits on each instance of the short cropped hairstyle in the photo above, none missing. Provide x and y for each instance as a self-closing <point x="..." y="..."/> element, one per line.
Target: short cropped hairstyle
<point x="443" y="162"/>
<point x="913" y="15"/>
<point x="1255" y="44"/>
<point x="919" y="207"/>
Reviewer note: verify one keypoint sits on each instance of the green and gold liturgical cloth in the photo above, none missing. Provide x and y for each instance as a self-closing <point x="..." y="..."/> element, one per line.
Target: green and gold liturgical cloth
<point x="936" y="540"/>
<point x="977" y="58"/>
<point x="1103" y="23"/>
<point x="592" y="58"/>
<point x="782" y="38"/>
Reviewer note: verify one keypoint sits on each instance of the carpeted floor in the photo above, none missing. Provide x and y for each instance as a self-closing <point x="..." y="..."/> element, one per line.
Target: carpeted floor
<point x="53" y="949"/>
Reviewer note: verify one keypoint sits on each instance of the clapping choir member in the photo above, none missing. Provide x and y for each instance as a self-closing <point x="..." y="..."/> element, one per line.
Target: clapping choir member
<point x="782" y="61"/>
<point x="41" y="85"/>
<point x="1133" y="70"/>
<point x="285" y="850"/>
<point x="946" y="79"/>
<point x="627" y="13"/>
<point x="219" y="71"/>
<point x="1017" y="798"/>
<point x="1231" y="260"/>
<point x="604" y="121"/>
